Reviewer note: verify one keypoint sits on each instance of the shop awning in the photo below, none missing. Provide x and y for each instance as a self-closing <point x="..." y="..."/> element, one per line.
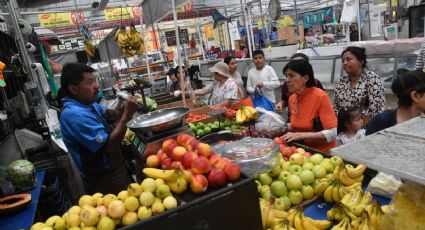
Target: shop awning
<point x="155" y="10"/>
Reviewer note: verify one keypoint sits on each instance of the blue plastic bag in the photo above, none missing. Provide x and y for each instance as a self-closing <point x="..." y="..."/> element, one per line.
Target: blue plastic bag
<point x="259" y="100"/>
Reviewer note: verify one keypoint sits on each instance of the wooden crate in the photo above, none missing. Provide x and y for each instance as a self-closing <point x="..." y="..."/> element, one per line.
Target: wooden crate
<point x="189" y="105"/>
<point x="201" y="110"/>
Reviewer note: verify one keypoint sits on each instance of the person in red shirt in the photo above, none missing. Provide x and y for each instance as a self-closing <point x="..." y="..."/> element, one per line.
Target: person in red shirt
<point x="313" y="121"/>
<point x="285" y="91"/>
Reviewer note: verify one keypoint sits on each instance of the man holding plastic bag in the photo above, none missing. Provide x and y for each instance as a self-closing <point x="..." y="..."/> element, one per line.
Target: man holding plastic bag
<point x="262" y="80"/>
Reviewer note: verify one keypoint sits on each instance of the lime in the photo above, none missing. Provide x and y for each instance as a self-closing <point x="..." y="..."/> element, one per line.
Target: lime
<point x="210" y="125"/>
<point x="222" y="125"/>
<point x="216" y="123"/>
<point x="200" y="125"/>
<point x="207" y="130"/>
<point x="234" y="127"/>
<point x="215" y="127"/>
<point x="191" y="125"/>
<point x="200" y="132"/>
<point x="194" y="129"/>
<point x="227" y="128"/>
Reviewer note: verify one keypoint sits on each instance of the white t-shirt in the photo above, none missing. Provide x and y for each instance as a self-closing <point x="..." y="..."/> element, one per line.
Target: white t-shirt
<point x="220" y="93"/>
<point x="342" y="139"/>
<point x="268" y="77"/>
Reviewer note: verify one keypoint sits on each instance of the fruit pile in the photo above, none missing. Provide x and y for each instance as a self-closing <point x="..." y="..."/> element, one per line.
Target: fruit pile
<point x="230" y="113"/>
<point x="106" y="212"/>
<point x="196" y="117"/>
<point x="286" y="151"/>
<point x="246" y="114"/>
<point x="252" y="132"/>
<point x="194" y="160"/>
<point x="201" y="129"/>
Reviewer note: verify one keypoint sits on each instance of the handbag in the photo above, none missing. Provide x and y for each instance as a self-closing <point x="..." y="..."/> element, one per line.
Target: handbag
<point x="247" y="102"/>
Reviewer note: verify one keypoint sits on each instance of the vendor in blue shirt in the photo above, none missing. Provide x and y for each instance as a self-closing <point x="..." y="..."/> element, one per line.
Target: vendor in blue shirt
<point x="93" y="144"/>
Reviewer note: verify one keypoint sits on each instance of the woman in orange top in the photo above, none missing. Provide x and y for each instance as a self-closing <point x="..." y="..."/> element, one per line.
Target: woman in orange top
<point x="313" y="121"/>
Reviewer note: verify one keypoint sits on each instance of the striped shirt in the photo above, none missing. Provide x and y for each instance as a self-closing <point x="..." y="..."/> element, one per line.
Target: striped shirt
<point x="420" y="62"/>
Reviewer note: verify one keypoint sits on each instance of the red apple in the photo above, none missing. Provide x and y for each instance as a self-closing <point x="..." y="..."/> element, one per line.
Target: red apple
<point x="307" y="154"/>
<point x="167" y="142"/>
<point x="198" y="183"/>
<point x="178" y="152"/>
<point x="160" y="154"/>
<point x="222" y="163"/>
<point x="152" y="161"/>
<point x="169" y="149"/>
<point x="287" y="151"/>
<point x="187" y="159"/>
<point x="214" y="158"/>
<point x="232" y="171"/>
<point x="182" y="138"/>
<point x="191" y="145"/>
<point x="216" y="178"/>
<point x="279" y="140"/>
<point x="177" y="165"/>
<point x="204" y="149"/>
<point x="200" y="165"/>
<point x="166" y="163"/>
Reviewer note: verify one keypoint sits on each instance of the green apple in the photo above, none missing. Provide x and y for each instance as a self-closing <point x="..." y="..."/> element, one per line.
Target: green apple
<point x="295" y="169"/>
<point x="316" y="158"/>
<point x="283" y="176"/>
<point x="264" y="188"/>
<point x="278" y="189"/>
<point x="265" y="179"/>
<point x="297" y="159"/>
<point x="336" y="160"/>
<point x="285" y="165"/>
<point x="300" y="150"/>
<point x="326" y="160"/>
<point x="328" y="166"/>
<point x="307" y="191"/>
<point x="294" y="182"/>
<point x="282" y="203"/>
<point x="306" y="159"/>
<point x="308" y="165"/>
<point x="275" y="171"/>
<point x="296" y="197"/>
<point x="306" y="176"/>
<point x="319" y="171"/>
<point x="266" y="195"/>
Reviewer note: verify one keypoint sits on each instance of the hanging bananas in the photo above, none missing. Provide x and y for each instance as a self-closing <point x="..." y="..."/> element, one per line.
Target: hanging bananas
<point x="89" y="47"/>
<point x="130" y="41"/>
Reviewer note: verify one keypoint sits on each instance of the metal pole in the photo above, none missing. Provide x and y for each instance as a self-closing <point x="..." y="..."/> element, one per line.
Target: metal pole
<point x="296" y="19"/>
<point x="264" y="23"/>
<point x="246" y="29"/>
<point x="200" y="40"/>
<point x="250" y="26"/>
<point x="144" y="44"/>
<point x="176" y="29"/>
<point x="228" y="30"/>
<point x="358" y="21"/>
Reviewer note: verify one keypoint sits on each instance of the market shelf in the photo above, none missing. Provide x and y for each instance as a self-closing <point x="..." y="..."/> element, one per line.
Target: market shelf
<point x="398" y="151"/>
<point x="152" y="65"/>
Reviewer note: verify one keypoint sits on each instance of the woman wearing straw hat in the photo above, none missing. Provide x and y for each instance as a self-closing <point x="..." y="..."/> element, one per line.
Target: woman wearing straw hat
<point x="224" y="90"/>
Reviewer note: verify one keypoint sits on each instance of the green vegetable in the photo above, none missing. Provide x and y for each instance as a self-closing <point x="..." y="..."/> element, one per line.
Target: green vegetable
<point x="22" y="174"/>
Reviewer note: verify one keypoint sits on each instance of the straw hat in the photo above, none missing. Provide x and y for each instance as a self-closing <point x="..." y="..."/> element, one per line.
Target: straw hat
<point x="221" y="68"/>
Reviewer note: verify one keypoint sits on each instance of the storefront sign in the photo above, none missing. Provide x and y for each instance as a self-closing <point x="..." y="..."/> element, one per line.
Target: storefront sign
<point x="61" y="19"/>
<point x="121" y="13"/>
<point x="322" y="16"/>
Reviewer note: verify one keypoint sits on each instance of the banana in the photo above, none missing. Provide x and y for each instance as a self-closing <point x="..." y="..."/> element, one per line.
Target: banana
<point x="179" y="185"/>
<point x="328" y="194"/>
<point x="385" y="208"/>
<point x="353" y="188"/>
<point x="367" y="198"/>
<point x="307" y="223"/>
<point x="331" y="214"/>
<point x="322" y="224"/>
<point x="265" y="209"/>
<point x="355" y="172"/>
<point x="291" y="216"/>
<point x="337" y="171"/>
<point x="166" y="175"/>
<point x="346" y="180"/>
<point x="280" y="214"/>
<point x="240" y="117"/>
<point x="298" y="221"/>
<point x="321" y="187"/>
<point x="253" y="113"/>
<point x="335" y="193"/>
<point x="343" y="224"/>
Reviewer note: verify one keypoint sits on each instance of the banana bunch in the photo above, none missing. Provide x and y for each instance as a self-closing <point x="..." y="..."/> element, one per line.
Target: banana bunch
<point x="174" y="178"/>
<point x="89" y="47"/>
<point x="357" y="202"/>
<point x="334" y="192"/>
<point x="272" y="218"/>
<point x="297" y="219"/>
<point x="344" y="224"/>
<point x="321" y="187"/>
<point x="245" y="114"/>
<point x="130" y="41"/>
<point x="375" y="213"/>
<point x="349" y="174"/>
<point x="340" y="212"/>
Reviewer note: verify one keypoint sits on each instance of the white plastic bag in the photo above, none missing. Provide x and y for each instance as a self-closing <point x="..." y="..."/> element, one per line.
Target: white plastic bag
<point x="384" y="185"/>
<point x="270" y="123"/>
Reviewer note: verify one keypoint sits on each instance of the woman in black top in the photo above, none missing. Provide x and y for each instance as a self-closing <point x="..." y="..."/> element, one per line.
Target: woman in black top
<point x="410" y="91"/>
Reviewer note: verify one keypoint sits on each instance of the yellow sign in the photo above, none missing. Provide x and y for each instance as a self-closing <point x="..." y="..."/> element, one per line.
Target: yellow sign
<point x="55" y="19"/>
<point x="120" y="13"/>
<point x="208" y="31"/>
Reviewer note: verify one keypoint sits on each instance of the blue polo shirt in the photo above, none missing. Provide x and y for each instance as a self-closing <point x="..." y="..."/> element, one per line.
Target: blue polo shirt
<point x="85" y="132"/>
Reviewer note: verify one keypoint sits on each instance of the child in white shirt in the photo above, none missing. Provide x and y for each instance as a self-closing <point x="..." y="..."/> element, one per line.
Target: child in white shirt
<point x="350" y="126"/>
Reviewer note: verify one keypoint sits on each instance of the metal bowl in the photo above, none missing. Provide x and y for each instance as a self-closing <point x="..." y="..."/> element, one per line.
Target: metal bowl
<point x="159" y="120"/>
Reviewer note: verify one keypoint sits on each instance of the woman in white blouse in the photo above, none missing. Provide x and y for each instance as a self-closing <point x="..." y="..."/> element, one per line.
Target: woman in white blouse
<point x="224" y="90"/>
<point x="233" y="66"/>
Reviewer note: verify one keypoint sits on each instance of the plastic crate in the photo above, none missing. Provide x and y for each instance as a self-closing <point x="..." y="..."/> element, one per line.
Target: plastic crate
<point x="232" y="207"/>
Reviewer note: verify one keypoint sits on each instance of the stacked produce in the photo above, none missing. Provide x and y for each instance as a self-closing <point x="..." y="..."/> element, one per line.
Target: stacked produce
<point x="201" y="129"/>
<point x="246" y="114"/>
<point x="106" y="212"/>
<point x="188" y="159"/>
<point x="130" y="41"/>
<point x="195" y="117"/>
